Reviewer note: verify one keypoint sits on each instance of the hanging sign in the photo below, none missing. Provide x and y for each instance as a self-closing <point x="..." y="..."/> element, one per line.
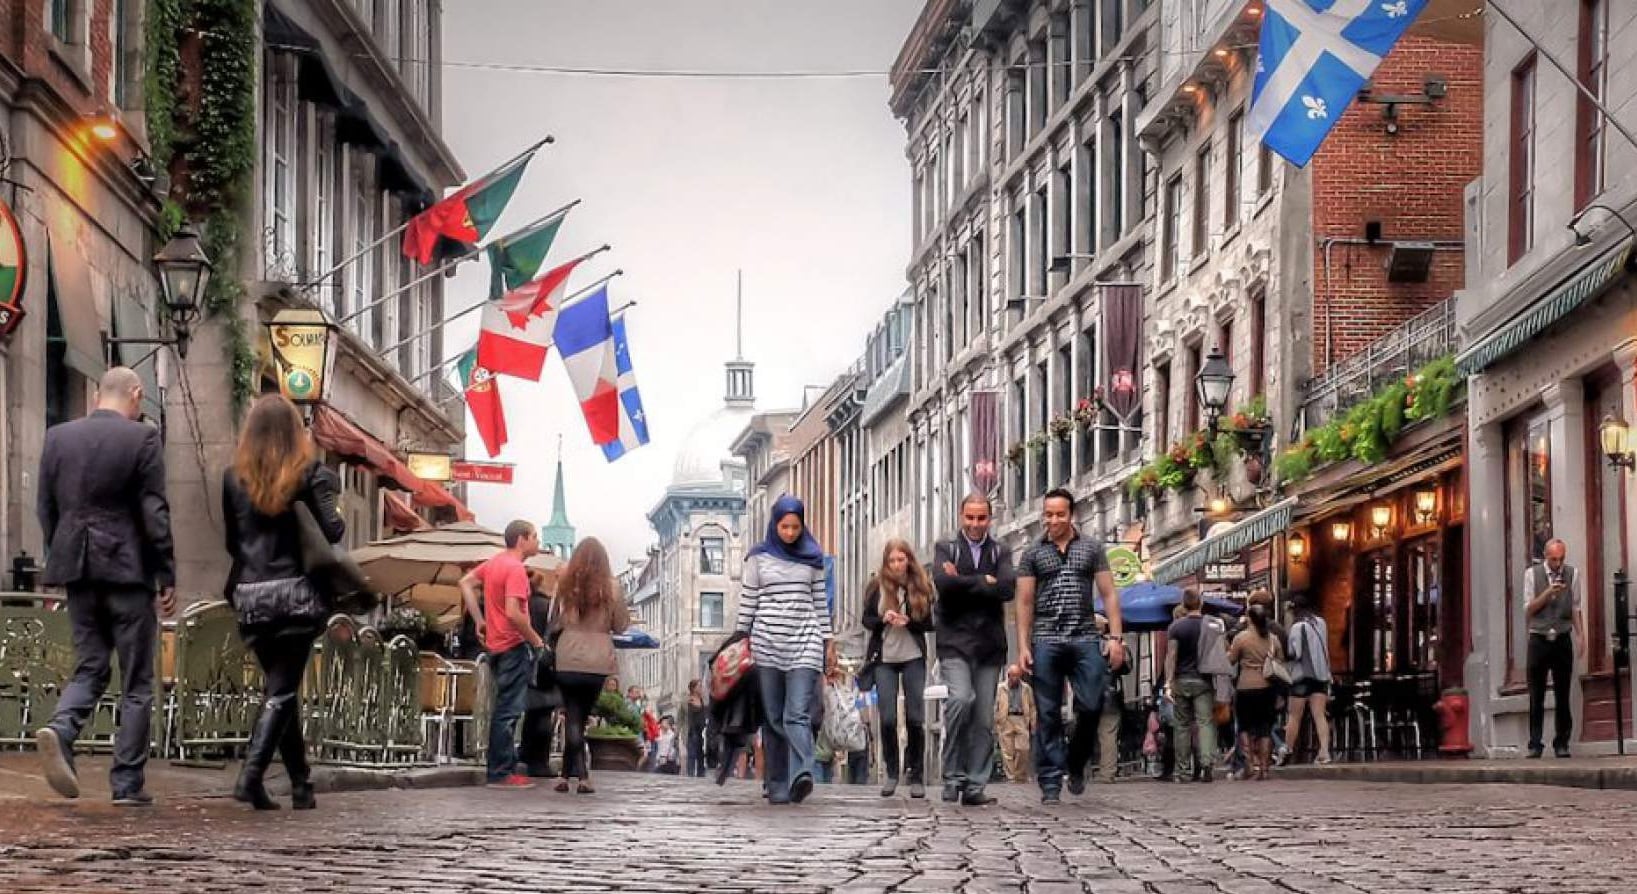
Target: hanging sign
<point x="302" y="346"/>
<point x="13" y="271"/>
<point x="1126" y="565"/>
<point x="485" y="473"/>
<point x="431" y="466"/>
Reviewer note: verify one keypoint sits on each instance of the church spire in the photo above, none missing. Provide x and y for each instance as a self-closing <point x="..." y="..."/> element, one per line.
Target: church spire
<point x="741" y="373"/>
<point x="559" y="533"/>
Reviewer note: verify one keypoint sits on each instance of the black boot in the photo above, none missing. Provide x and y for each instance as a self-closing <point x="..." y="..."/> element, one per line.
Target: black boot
<point x="264" y="741"/>
<point x="293" y="751"/>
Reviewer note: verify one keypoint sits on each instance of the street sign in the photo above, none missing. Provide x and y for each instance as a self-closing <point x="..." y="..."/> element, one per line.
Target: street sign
<point x="13" y="271"/>
<point x="1225" y="572"/>
<point x="485" y="473"/>
<point x="300" y="342"/>
<point x="431" y="466"/>
<point x="1126" y="565"/>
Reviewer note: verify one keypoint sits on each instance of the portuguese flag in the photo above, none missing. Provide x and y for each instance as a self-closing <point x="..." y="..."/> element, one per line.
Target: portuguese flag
<point x="467" y="216"/>
<point x="483" y="401"/>
<point x="516" y="258"/>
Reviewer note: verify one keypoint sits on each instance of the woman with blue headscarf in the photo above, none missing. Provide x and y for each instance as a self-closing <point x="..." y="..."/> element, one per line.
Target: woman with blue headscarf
<point x="782" y="608"/>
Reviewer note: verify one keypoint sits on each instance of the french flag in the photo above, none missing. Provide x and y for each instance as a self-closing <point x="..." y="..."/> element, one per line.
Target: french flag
<point x="633" y="421"/>
<point x="585" y="338"/>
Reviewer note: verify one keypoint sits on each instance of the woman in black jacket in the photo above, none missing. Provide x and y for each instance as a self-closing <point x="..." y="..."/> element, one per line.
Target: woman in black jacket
<point x="898" y="614"/>
<point x="280" y="612"/>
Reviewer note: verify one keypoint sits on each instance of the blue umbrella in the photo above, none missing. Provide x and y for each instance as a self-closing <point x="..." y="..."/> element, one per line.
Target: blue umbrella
<point x="1146" y="605"/>
<point x="635" y="639"/>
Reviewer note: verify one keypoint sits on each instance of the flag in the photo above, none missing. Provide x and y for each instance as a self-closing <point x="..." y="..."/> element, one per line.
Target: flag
<point x="466" y="216"/>
<point x="633" y="421"/>
<point x="516" y="330"/>
<point x="585" y="339"/>
<point x="515" y="258"/>
<point x="985" y="441"/>
<point x="1312" y="63"/>
<point x="483" y="401"/>
<point x="1122" y="351"/>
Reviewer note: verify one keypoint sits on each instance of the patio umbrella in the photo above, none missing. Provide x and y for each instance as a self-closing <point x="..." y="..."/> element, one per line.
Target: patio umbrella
<point x="1146" y="605"/>
<point x="635" y="639"/>
<point x="436" y="557"/>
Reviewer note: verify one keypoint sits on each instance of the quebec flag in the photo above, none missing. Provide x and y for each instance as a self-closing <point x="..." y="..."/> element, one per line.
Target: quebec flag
<point x="633" y="421"/>
<point x="1315" y="56"/>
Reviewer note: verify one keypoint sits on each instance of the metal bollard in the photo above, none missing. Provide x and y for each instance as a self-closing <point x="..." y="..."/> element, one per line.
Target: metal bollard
<point x="1622" y="653"/>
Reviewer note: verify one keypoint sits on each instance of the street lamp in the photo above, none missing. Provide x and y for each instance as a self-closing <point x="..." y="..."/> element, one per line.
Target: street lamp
<point x="1297" y="548"/>
<point x="1615" y="438"/>
<point x="1381" y="517"/>
<point x="184" y="272"/>
<point x="1426" y="506"/>
<point x="1581" y="240"/>
<point x="1341" y="531"/>
<point x="1214" y="381"/>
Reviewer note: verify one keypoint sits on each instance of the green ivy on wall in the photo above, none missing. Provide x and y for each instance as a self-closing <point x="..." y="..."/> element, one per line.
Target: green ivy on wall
<point x="204" y="130"/>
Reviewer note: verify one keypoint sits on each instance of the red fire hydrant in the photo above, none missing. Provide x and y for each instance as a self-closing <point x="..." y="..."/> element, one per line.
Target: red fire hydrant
<point x="1452" y="712"/>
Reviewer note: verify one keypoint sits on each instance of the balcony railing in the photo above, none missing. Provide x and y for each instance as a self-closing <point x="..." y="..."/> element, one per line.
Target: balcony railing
<point x="1415" y="343"/>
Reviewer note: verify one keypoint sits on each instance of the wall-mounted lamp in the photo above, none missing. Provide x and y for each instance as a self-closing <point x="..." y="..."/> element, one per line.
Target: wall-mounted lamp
<point x="101" y="128"/>
<point x="1581" y="240"/>
<point x="1381" y="518"/>
<point x="1220" y="506"/>
<point x="1341" y="531"/>
<point x="1614" y="436"/>
<point x="1296" y="547"/>
<point x="1426" y="506"/>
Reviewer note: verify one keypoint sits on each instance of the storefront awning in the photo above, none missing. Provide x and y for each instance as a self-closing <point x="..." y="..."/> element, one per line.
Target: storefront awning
<point x="338" y="434"/>
<point x="76" y="308"/>
<point x="1577" y="290"/>
<point x="436" y="495"/>
<point x="400" y="517"/>
<point x="1248" y="532"/>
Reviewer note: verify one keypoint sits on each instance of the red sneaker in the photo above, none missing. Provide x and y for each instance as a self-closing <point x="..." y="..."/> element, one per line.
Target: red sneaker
<point x="514" y="782"/>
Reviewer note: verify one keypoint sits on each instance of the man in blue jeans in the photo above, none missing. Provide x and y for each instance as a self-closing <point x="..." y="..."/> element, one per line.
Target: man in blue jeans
<point x="1058" y="580"/>
<point x="503" y="627"/>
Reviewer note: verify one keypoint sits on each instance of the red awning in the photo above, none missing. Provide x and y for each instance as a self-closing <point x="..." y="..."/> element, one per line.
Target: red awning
<point x="436" y="495"/>
<point x="400" y="516"/>
<point x="338" y="434"/>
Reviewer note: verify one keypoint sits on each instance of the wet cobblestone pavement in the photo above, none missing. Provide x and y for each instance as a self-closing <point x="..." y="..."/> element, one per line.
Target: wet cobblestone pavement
<point x="651" y="834"/>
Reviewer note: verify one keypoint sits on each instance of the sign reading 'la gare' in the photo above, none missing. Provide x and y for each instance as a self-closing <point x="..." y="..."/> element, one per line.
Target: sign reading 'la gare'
<point x="13" y="271"/>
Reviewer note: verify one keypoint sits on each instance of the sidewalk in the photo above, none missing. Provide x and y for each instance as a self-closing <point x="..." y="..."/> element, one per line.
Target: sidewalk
<point x="20" y="779"/>
<point x="1580" y="772"/>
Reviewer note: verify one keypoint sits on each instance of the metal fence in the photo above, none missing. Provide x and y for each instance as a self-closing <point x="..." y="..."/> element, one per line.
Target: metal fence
<point x="1416" y="342"/>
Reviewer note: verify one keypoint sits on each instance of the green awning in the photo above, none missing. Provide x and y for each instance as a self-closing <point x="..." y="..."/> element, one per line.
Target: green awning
<point x="1577" y="290"/>
<point x="1249" y="532"/>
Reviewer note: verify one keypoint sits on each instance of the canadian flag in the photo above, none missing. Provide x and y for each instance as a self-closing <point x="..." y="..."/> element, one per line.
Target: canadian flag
<point x="517" y="330"/>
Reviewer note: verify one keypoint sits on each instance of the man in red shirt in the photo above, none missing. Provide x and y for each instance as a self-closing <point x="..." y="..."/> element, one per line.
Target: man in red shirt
<point x="503" y="627"/>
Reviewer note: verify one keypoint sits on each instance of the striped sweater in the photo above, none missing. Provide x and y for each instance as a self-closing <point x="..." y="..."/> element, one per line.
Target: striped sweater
<point x="782" y="607"/>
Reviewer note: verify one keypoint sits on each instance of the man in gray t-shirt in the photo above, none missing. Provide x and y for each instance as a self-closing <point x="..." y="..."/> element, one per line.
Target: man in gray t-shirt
<point x="1557" y="634"/>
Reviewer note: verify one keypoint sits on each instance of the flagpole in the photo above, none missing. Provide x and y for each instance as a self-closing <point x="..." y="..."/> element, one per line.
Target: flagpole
<point x="451" y="264"/>
<point x="482" y="304"/>
<point x="462" y="395"/>
<point x="1584" y="91"/>
<point x="313" y="284"/>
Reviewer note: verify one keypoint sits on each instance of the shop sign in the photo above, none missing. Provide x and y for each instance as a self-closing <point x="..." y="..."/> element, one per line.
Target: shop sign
<point x="431" y="466"/>
<point x="485" y="473"/>
<point x="1225" y="572"/>
<point x="301" y="343"/>
<point x="1126" y="565"/>
<point x="13" y="271"/>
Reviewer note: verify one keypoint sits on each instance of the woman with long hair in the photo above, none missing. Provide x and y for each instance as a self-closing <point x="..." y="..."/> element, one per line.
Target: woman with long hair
<point x="589" y="611"/>
<point x="1254" y="704"/>
<point x="1310" y="677"/>
<point x="782" y="607"/>
<point x="279" y="610"/>
<point x="898" y="615"/>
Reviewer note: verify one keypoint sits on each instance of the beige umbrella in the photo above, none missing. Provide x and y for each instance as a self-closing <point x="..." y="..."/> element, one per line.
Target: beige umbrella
<point x="436" y="557"/>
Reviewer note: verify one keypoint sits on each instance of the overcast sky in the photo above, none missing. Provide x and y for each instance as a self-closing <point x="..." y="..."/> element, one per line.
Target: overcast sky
<point x="800" y="182"/>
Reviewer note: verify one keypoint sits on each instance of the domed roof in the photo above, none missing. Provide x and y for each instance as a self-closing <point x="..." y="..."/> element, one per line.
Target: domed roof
<point x="706" y="448"/>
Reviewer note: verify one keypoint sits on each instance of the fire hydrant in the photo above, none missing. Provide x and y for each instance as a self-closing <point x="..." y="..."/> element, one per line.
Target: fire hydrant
<point x="1452" y="712"/>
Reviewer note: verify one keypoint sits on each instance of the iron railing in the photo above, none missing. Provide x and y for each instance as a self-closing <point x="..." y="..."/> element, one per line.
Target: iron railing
<point x="1416" y="342"/>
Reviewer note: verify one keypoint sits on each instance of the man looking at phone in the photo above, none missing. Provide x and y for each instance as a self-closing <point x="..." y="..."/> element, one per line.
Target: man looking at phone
<point x="1057" y="581"/>
<point x="1557" y="634"/>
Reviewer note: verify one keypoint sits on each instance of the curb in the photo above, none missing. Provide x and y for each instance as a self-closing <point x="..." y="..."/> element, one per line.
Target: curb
<point x="1606" y="778"/>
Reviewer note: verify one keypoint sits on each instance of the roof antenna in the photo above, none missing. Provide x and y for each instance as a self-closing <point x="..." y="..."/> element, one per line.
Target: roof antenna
<point x="739" y="320"/>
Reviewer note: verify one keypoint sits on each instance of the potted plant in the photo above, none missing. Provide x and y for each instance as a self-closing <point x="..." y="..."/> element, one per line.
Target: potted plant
<point x="613" y="741"/>
<point x="1062" y="426"/>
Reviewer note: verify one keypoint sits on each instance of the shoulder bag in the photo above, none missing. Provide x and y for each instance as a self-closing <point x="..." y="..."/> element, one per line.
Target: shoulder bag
<point x="545" y="659"/>
<point x="1275" y="669"/>
<point x="330" y="568"/>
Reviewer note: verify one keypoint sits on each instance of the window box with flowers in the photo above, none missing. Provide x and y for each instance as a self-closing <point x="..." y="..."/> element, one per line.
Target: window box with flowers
<point x="1367" y="430"/>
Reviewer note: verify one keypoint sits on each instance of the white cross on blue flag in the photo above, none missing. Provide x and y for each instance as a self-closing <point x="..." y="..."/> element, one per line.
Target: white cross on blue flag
<point x="633" y="421"/>
<point x="1315" y="56"/>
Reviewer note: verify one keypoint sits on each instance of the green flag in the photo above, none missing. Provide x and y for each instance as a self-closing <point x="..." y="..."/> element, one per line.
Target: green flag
<point x="516" y="258"/>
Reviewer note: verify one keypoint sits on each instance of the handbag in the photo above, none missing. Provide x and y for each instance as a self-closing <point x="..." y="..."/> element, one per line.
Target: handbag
<point x="545" y="658"/>
<point x="282" y="600"/>
<point x="330" y="568"/>
<point x="1274" y="669"/>
<point x="731" y="665"/>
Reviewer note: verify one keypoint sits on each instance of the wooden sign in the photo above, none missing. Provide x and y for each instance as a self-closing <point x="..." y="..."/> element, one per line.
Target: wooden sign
<point x="13" y="271"/>
<point x="486" y="473"/>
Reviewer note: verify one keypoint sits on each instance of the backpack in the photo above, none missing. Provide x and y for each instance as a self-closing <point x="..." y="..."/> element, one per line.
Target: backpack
<point x="843" y="726"/>
<point x="732" y="664"/>
<point x="1213" y="648"/>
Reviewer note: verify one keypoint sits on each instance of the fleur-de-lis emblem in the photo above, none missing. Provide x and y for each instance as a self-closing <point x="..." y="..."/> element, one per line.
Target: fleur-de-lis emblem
<point x="1260" y="67"/>
<point x="1316" y="107"/>
<point x="1396" y="10"/>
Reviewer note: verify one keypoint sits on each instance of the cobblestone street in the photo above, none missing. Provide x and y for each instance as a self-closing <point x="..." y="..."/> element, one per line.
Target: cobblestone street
<point x="646" y="834"/>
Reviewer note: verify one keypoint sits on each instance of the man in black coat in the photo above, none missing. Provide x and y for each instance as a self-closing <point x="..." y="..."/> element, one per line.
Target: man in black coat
<point x="108" y="535"/>
<point x="974" y="578"/>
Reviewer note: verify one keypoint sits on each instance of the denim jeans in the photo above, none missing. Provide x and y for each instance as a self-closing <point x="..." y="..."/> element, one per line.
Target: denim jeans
<point x="787" y="731"/>
<point x="969" y="722"/>
<point x="511" y="670"/>
<point x="1081" y="664"/>
<point x="887" y="677"/>
<point x="1196" y="701"/>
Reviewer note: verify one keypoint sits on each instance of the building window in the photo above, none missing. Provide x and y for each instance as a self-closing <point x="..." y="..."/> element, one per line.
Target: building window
<point x="1113" y="25"/>
<point x="1017" y="112"/>
<point x="1040" y="250"/>
<point x="59" y="19"/>
<point x="1062" y="59"/>
<point x="1236" y="166"/>
<point x="1063" y="211"/>
<point x="278" y="161"/>
<point x="1264" y="169"/>
<point x="1162" y="407"/>
<point x="978" y="284"/>
<point x="321" y="240"/>
<point x="1037" y="87"/>
<point x="1020" y="433"/>
<point x="1043" y="414"/>
<point x="1020" y="255"/>
<point x="1590" y="151"/>
<point x="1190" y="416"/>
<point x="1257" y="381"/>
<point x="1224" y="343"/>
<point x="1606" y="516"/>
<point x="1528" y="522"/>
<point x="712" y="610"/>
<point x="1202" y="201"/>
<point x="125" y="46"/>
<point x="1115" y="177"/>
<point x="363" y="233"/>
<point x="1170" y="257"/>
<point x="1521" y="213"/>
